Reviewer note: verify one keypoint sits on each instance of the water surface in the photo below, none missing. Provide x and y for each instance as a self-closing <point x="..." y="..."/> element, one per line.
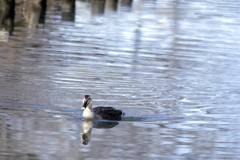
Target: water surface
<point x="171" y="66"/>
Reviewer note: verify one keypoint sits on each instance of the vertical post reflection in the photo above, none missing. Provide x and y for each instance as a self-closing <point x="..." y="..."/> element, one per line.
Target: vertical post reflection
<point x="126" y="3"/>
<point x="110" y="6"/>
<point x="43" y="3"/>
<point x="97" y="7"/>
<point x="7" y="13"/>
<point x="68" y="10"/>
<point x="35" y="13"/>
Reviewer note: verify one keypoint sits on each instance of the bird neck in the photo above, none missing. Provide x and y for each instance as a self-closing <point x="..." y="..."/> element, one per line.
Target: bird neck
<point x="88" y="113"/>
<point x="89" y="107"/>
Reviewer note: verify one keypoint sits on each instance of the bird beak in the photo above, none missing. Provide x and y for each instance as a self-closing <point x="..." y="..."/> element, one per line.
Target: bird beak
<point x="84" y="105"/>
<point x="82" y="133"/>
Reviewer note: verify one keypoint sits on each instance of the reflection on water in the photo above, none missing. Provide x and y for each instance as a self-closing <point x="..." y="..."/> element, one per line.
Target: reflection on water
<point x="68" y="10"/>
<point x="34" y="14"/>
<point x="86" y="134"/>
<point x="6" y="19"/>
<point x="88" y="125"/>
<point x="171" y="66"/>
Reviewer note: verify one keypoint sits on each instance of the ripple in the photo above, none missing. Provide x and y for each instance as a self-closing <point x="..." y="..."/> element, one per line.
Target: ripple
<point x="172" y="67"/>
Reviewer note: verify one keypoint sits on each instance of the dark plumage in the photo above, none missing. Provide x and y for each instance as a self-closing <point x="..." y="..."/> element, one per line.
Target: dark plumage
<point x="108" y="113"/>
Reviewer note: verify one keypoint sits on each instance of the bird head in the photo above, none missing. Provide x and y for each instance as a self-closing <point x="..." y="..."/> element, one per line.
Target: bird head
<point x="87" y="102"/>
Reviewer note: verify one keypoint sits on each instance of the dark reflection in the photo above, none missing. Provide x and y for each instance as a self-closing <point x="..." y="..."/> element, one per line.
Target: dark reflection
<point x="127" y="4"/>
<point x="68" y="10"/>
<point x="43" y="3"/>
<point x="6" y="18"/>
<point x="87" y="129"/>
<point x="105" y="7"/>
<point x="110" y="6"/>
<point x="35" y="13"/>
<point x="98" y="7"/>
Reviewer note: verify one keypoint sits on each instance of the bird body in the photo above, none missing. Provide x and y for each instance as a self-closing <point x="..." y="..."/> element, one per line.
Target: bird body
<point x="107" y="113"/>
<point x="87" y="113"/>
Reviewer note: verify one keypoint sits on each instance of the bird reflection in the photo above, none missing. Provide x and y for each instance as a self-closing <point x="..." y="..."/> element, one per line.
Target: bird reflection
<point x="86" y="134"/>
<point x="89" y="124"/>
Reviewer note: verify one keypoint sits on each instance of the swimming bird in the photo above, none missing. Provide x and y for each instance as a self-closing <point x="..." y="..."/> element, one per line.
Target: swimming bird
<point x="107" y="113"/>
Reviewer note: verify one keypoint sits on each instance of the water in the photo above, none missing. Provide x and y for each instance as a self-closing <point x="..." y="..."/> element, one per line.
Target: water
<point x="171" y="66"/>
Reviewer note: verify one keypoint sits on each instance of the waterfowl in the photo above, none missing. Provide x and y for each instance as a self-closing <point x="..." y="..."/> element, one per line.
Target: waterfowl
<point x="107" y="113"/>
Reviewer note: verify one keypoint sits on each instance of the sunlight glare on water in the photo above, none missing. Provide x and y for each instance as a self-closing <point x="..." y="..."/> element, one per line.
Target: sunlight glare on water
<point x="171" y="66"/>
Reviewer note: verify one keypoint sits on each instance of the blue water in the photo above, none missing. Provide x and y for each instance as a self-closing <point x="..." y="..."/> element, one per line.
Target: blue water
<point x="171" y="66"/>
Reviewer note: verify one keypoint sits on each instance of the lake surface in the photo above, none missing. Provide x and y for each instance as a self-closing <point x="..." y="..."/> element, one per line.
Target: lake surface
<point x="171" y="66"/>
